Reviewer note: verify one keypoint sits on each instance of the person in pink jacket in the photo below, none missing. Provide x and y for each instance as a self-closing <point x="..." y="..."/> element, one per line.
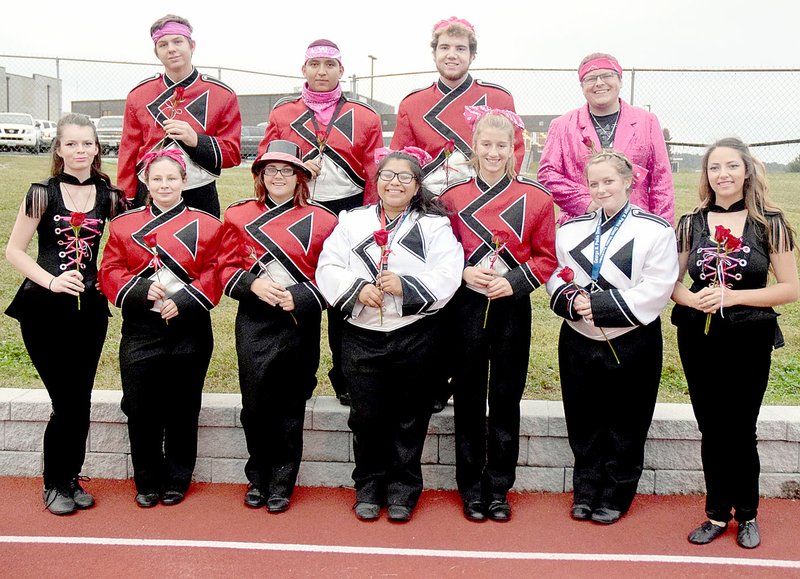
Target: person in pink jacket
<point x="606" y="122"/>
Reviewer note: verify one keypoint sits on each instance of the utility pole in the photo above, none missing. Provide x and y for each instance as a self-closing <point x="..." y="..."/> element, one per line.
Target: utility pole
<point x="372" y="60"/>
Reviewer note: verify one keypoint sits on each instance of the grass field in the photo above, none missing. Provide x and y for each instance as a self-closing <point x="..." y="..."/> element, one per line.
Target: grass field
<point x="16" y="172"/>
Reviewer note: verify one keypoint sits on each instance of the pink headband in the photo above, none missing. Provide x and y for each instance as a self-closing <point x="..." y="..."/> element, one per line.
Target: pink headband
<point x="323" y="51"/>
<point x="172" y="28"/>
<point x="174" y="154"/>
<point x="422" y="157"/>
<point x="599" y="63"/>
<point x="474" y="114"/>
<point x="453" y="20"/>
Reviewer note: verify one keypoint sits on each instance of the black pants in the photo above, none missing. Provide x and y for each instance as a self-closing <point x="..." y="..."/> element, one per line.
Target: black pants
<point x="65" y="350"/>
<point x="727" y="372"/>
<point x="487" y="451"/>
<point x="163" y="368"/>
<point x="278" y="362"/>
<point x="608" y="409"/>
<point x="336" y="319"/>
<point x="388" y="375"/>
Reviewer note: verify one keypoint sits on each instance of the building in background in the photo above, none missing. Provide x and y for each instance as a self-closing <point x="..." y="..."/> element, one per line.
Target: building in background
<point x="37" y="95"/>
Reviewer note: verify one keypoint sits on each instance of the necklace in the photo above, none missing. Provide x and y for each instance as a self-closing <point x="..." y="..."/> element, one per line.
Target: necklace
<point x="607" y="138"/>
<point x="72" y="200"/>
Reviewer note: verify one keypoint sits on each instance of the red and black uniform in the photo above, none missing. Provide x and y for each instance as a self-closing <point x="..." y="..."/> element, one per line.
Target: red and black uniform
<point x="521" y="211"/>
<point x="278" y="351"/>
<point x="429" y="117"/>
<point x="163" y="364"/>
<point x="348" y="160"/>
<point x="212" y="110"/>
<point x="347" y="179"/>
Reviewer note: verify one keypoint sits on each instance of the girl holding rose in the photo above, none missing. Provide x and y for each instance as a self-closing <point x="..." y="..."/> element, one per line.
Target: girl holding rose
<point x="270" y="248"/>
<point x="729" y="245"/>
<point x="507" y="227"/>
<point x="159" y="268"/>
<point x="68" y="212"/>
<point x="617" y="267"/>
<point x="388" y="268"/>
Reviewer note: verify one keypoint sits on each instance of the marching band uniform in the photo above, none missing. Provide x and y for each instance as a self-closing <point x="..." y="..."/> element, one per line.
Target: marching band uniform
<point x="348" y="165"/>
<point x="429" y="117"/>
<point x="63" y="339"/>
<point x="163" y="365"/>
<point x="212" y="110"/>
<point x="522" y="210"/>
<point x="609" y="404"/>
<point x="388" y="356"/>
<point x="720" y="386"/>
<point x="278" y="351"/>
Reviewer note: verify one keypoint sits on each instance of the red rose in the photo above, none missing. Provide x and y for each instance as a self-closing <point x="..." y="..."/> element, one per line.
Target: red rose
<point x="499" y="237"/>
<point x="77" y="218"/>
<point x="566" y="274"/>
<point x="449" y="146"/>
<point x="151" y="240"/>
<point x="381" y="237"/>
<point x="179" y="94"/>
<point x="587" y="141"/>
<point x="322" y="138"/>
<point x="248" y="250"/>
<point x="733" y="243"/>
<point x="721" y="234"/>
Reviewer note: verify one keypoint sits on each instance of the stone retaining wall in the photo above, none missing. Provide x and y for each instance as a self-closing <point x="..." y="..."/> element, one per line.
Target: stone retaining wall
<point x="672" y="458"/>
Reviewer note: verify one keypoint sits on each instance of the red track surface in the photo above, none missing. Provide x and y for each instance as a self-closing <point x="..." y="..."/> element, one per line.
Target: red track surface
<point x="240" y="542"/>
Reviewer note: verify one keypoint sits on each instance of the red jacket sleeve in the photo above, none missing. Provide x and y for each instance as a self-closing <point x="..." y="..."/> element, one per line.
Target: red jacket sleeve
<point x="373" y="140"/>
<point x="119" y="283"/>
<point x="204" y="291"/>
<point x="129" y="146"/>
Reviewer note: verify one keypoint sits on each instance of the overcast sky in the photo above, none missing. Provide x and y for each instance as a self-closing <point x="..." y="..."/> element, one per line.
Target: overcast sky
<point x="271" y="35"/>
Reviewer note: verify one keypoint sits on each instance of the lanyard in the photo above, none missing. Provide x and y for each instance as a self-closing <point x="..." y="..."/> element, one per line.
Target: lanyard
<point x="396" y="228"/>
<point x="335" y="115"/>
<point x="600" y="255"/>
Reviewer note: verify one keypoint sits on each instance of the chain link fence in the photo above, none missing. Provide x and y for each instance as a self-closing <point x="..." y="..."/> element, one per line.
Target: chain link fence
<point x="696" y="107"/>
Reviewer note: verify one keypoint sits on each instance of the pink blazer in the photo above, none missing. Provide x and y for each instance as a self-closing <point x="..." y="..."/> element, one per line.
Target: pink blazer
<point x="638" y="136"/>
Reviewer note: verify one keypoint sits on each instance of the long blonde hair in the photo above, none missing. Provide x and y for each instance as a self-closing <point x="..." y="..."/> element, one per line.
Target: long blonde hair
<point x="501" y="123"/>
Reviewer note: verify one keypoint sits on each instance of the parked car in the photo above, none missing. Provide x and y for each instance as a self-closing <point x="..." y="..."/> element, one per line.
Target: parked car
<point x="48" y="131"/>
<point x="109" y="133"/>
<point x="18" y="130"/>
<point x="251" y="139"/>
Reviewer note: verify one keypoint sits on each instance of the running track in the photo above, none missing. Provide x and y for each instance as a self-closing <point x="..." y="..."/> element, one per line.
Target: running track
<point x="213" y="534"/>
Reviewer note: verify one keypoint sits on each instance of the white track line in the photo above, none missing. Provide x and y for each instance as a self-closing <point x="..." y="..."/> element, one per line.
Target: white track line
<point x="386" y="551"/>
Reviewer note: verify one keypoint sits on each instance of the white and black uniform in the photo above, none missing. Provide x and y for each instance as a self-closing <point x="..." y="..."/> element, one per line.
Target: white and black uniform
<point x="609" y="404"/>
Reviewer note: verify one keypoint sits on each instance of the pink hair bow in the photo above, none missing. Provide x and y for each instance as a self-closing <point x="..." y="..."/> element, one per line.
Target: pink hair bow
<point x="422" y="157"/>
<point x="474" y="114"/>
<point x="453" y="20"/>
<point x="173" y="154"/>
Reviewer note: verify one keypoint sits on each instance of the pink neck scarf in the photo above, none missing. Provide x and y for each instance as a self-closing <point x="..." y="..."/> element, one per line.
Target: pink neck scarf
<point x="322" y="103"/>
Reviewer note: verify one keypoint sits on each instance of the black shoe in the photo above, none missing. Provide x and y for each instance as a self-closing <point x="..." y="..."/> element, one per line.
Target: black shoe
<point x="706" y="533"/>
<point x="748" y="536"/>
<point x="254" y="498"/>
<point x="172" y="497"/>
<point x="367" y="511"/>
<point x="58" y="500"/>
<point x="606" y="516"/>
<point x="344" y="398"/>
<point x="399" y="513"/>
<point x="147" y="500"/>
<point x="499" y="510"/>
<point x="277" y="504"/>
<point x="83" y="500"/>
<point x="474" y="511"/>
<point x="581" y="512"/>
<point x="438" y="406"/>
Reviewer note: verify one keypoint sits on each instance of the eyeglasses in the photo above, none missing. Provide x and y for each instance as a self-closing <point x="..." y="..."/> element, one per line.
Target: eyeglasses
<point x="404" y="178"/>
<point x="592" y="80"/>
<point x="285" y="171"/>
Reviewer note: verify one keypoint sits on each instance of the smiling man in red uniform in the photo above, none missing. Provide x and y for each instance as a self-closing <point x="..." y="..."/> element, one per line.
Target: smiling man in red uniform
<point x="337" y="137"/>
<point x="432" y="118"/>
<point x="183" y="109"/>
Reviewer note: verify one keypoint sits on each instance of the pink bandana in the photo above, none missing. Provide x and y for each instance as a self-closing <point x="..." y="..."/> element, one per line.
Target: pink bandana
<point x="453" y="20"/>
<point x="322" y="103"/>
<point x="473" y="114"/>
<point x="598" y="64"/>
<point x="171" y="28"/>
<point x="422" y="157"/>
<point x="173" y="154"/>
<point x="323" y="49"/>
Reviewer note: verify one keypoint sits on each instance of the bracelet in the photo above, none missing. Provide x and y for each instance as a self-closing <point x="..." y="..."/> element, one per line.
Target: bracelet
<point x="50" y="285"/>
